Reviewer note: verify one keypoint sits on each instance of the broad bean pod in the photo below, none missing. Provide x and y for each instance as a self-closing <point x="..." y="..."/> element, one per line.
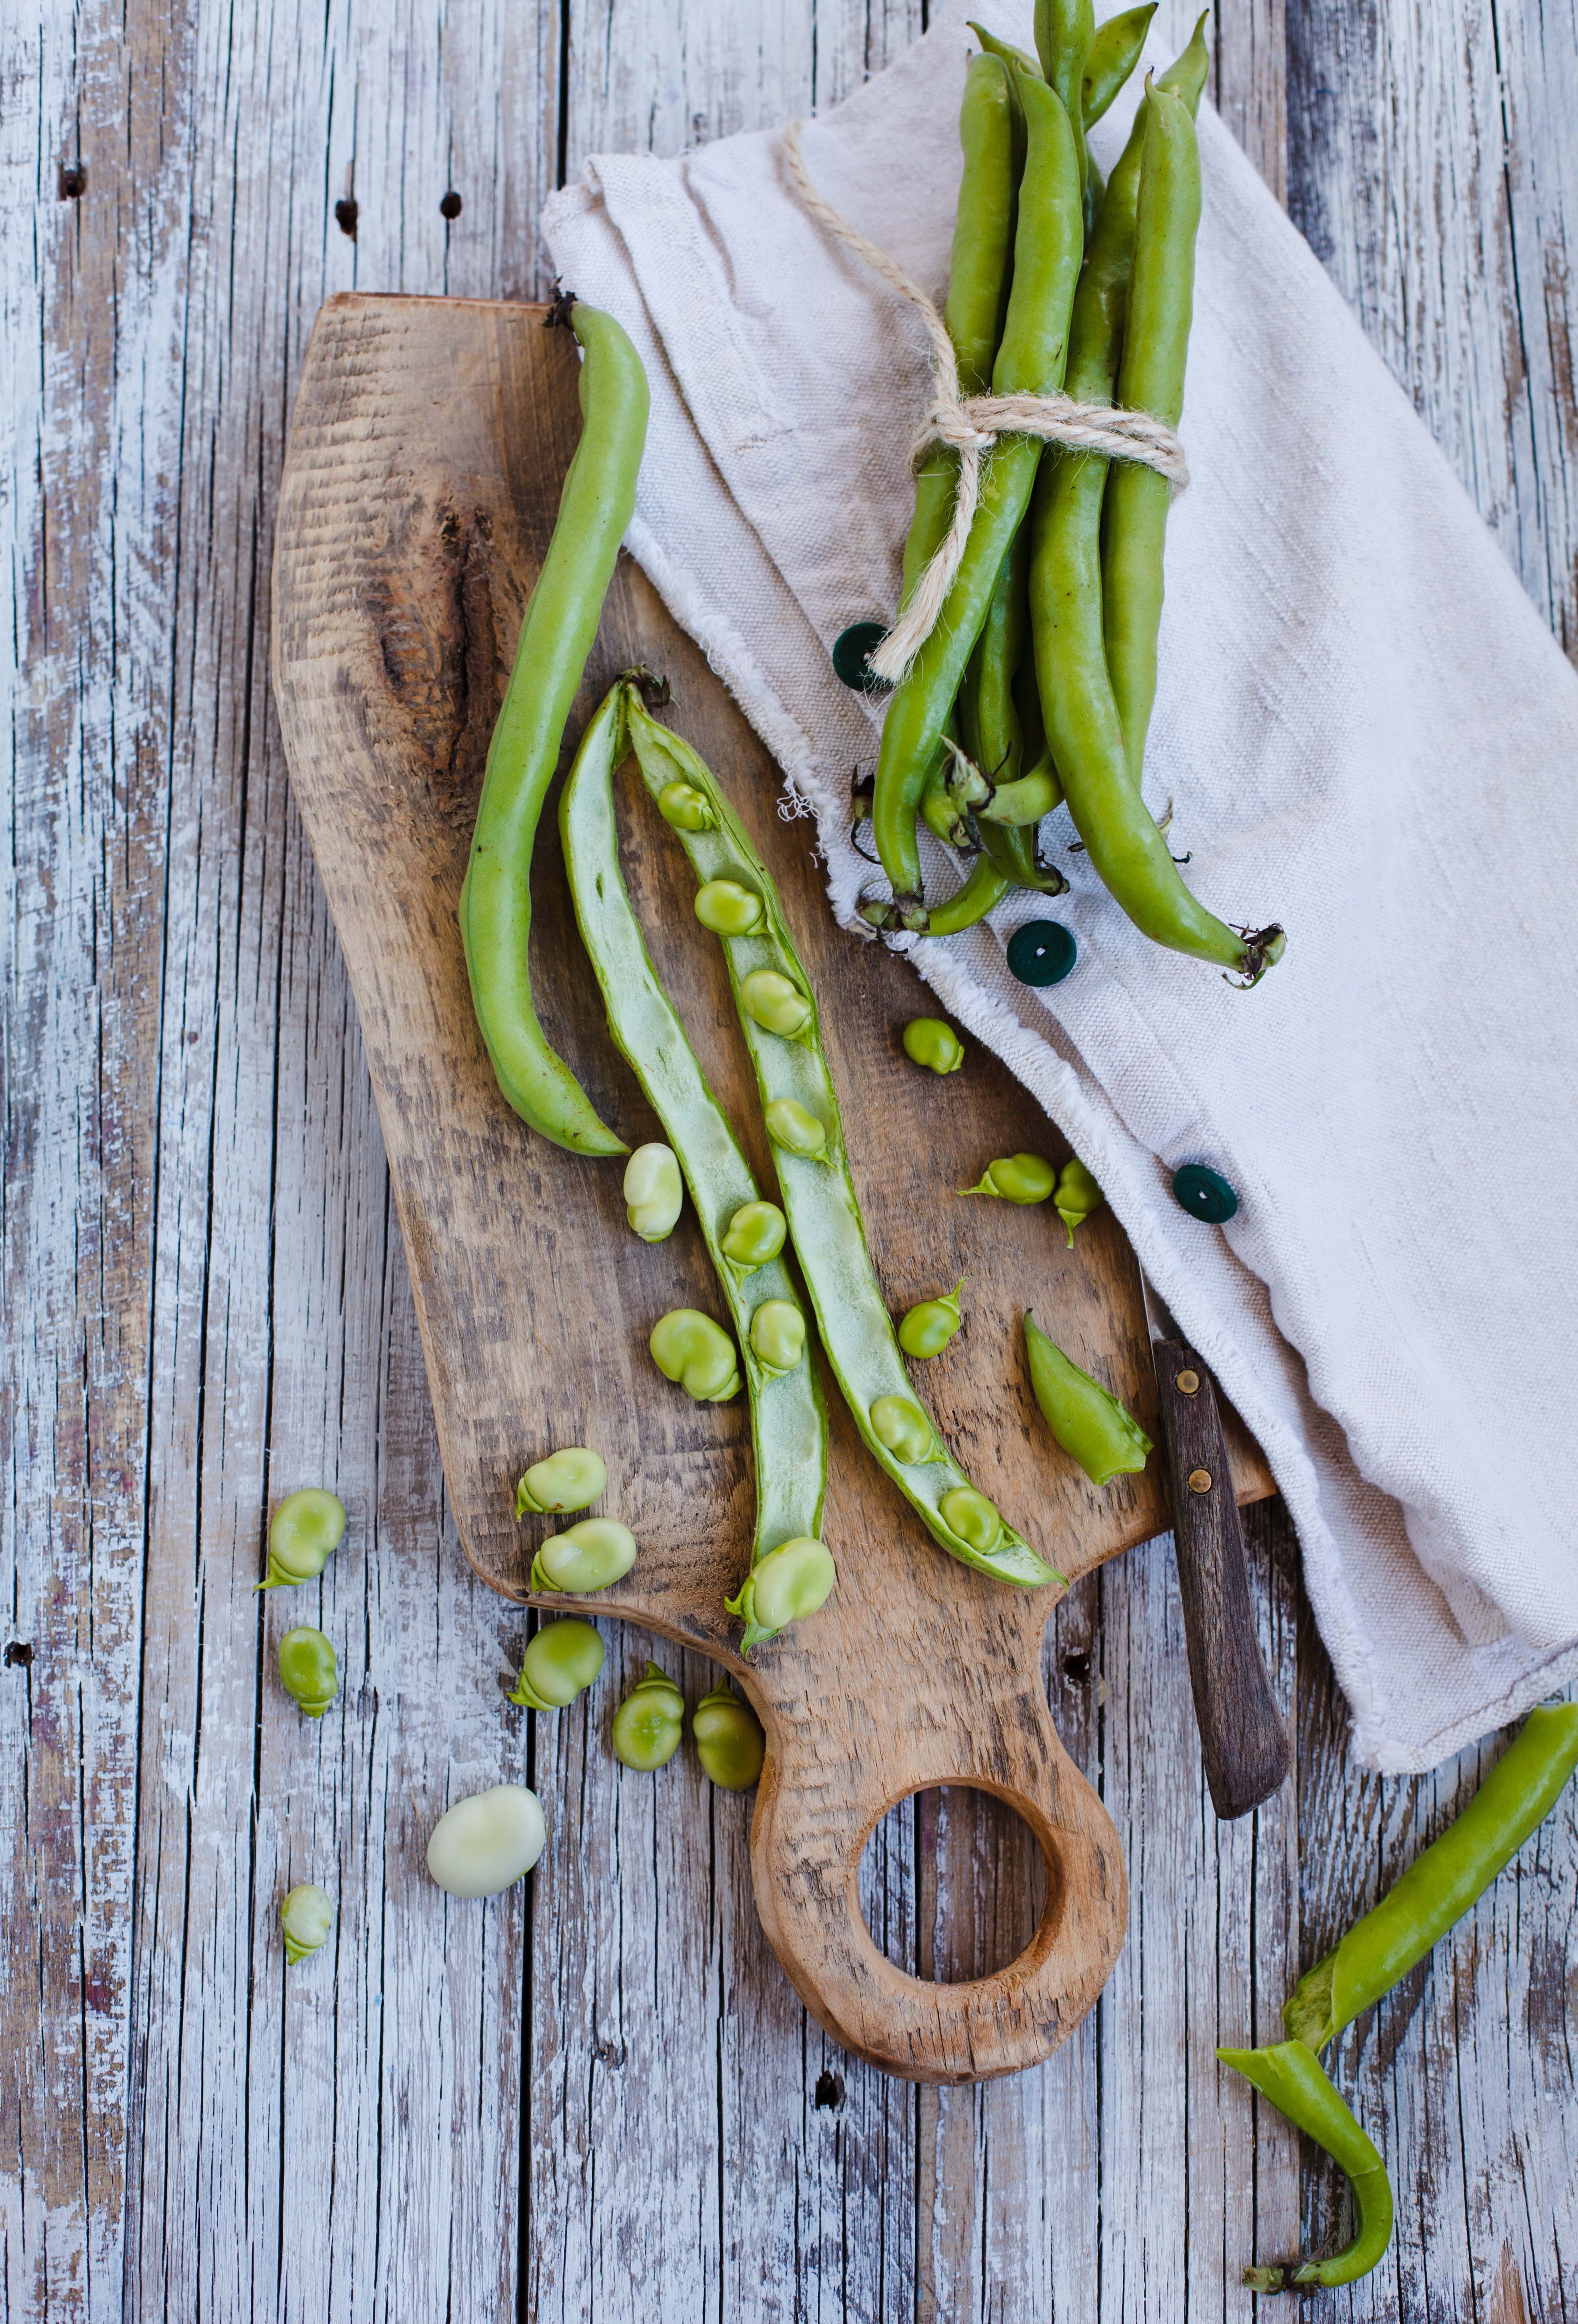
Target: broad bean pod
<point x="1114" y="51"/>
<point x="1064" y="32"/>
<point x="556" y="637"/>
<point x="1292" y="2077"/>
<point x="1050" y="240"/>
<point x="1443" y="1882"/>
<point x="1085" y="732"/>
<point x="978" y="287"/>
<point x="1087" y="1419"/>
<point x="818" y="1195"/>
<point x="789" y="1420"/>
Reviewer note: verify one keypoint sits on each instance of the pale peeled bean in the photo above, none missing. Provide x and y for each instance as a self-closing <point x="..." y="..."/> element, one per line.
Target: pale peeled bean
<point x="486" y="1843"/>
<point x="655" y="1191"/>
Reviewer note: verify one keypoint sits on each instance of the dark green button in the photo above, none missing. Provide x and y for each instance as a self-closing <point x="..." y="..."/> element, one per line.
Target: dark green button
<point x="1042" y="952"/>
<point x="851" y="650"/>
<point x="1204" y="1194"/>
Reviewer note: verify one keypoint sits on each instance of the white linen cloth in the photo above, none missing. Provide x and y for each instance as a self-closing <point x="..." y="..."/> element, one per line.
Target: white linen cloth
<point x="1368" y="735"/>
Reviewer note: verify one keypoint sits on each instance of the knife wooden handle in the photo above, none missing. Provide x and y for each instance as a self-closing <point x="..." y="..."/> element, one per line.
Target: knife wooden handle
<point x="1242" y="1739"/>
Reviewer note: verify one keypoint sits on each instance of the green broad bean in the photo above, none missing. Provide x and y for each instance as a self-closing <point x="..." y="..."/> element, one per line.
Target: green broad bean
<point x="778" y="1336"/>
<point x="1049" y="245"/>
<point x="585" y="1557"/>
<point x="792" y="1581"/>
<point x="1114" y="51"/>
<point x="654" y="1192"/>
<point x="727" y="908"/>
<point x="1292" y="2077"/>
<point x="992" y="139"/>
<point x="483" y="1845"/>
<point x="306" y="1530"/>
<point x="928" y="1041"/>
<point x="688" y="1348"/>
<point x="684" y="807"/>
<point x="309" y="1672"/>
<point x="928" y="1327"/>
<point x="819" y="1197"/>
<point x="649" y="1723"/>
<point x="898" y="1422"/>
<point x="1064" y="34"/>
<point x="306" y="1918"/>
<point x="1087" y="1420"/>
<point x="775" y="1002"/>
<point x="795" y="1128"/>
<point x="560" y="1664"/>
<point x="570" y="1479"/>
<point x="1016" y="1178"/>
<point x="729" y="1739"/>
<point x="1084" y="725"/>
<point x="756" y="1233"/>
<point x="973" y="1517"/>
<point x="1075" y="1195"/>
<point x="789" y="1422"/>
<point x="556" y="637"/>
<point x="1443" y="1882"/>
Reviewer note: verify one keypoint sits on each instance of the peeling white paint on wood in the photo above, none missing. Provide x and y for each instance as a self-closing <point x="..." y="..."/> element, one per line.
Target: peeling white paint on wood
<point x="572" y="2099"/>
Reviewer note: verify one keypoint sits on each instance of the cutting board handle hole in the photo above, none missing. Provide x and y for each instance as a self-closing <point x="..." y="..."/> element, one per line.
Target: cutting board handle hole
<point x="953" y="1885"/>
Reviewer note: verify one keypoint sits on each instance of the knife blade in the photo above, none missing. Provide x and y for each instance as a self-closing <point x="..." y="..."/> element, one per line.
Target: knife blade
<point x="1242" y="1739"/>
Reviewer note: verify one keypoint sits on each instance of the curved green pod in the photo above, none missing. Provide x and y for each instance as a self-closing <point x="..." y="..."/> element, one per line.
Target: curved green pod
<point x="1292" y="2077"/>
<point x="1443" y="1882"/>
<point x="818" y="1193"/>
<point x="789" y="1420"/>
<point x="551" y="659"/>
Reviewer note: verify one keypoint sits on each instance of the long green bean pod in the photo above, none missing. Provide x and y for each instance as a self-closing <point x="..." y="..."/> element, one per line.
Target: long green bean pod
<point x="1048" y="244"/>
<point x="1443" y="1882"/>
<point x="1130" y="855"/>
<point x="1292" y="2077"/>
<point x="1064" y="30"/>
<point x="551" y="659"/>
<point x="789" y="1420"/>
<point x="978" y="285"/>
<point x="1114" y="51"/>
<point x="1156" y="345"/>
<point x="813" y="1171"/>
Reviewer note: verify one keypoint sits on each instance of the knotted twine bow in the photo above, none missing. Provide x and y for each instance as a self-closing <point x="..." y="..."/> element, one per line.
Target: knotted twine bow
<point x="970" y="425"/>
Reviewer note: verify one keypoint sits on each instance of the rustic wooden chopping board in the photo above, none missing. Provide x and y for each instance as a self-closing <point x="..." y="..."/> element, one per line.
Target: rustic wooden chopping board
<point x="426" y="454"/>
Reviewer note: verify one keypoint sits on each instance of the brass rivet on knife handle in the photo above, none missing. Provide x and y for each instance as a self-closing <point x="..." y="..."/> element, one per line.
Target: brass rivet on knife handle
<point x="1242" y="1740"/>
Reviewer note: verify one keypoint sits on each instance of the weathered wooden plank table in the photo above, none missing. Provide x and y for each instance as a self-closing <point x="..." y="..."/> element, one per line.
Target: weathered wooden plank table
<point x="598" y="2099"/>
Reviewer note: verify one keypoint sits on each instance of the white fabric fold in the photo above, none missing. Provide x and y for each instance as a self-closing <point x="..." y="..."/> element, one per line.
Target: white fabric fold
<point x="1367" y="732"/>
